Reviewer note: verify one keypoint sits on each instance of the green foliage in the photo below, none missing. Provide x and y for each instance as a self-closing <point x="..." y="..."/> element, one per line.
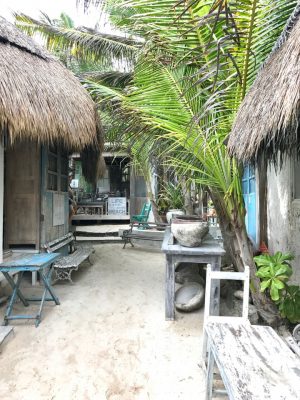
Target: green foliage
<point x="170" y="197"/>
<point x="290" y="304"/>
<point x="274" y="272"/>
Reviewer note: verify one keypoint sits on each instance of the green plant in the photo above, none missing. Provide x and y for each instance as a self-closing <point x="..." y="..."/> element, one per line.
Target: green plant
<point x="290" y="304"/>
<point x="171" y="196"/>
<point x="274" y="272"/>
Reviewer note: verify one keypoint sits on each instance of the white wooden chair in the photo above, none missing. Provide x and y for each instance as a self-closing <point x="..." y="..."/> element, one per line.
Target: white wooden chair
<point x="221" y="275"/>
<point x="224" y="275"/>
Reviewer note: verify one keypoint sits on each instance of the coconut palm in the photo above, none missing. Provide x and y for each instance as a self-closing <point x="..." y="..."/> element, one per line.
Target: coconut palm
<point x="196" y="62"/>
<point x="188" y="86"/>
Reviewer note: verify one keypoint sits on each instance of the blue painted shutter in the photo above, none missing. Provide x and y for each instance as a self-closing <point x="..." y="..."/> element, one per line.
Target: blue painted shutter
<point x="249" y="194"/>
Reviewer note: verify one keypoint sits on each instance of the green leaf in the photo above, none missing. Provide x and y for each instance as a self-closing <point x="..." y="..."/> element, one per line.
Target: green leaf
<point x="274" y="292"/>
<point x="278" y="284"/>
<point x="264" y="272"/>
<point x="265" y="284"/>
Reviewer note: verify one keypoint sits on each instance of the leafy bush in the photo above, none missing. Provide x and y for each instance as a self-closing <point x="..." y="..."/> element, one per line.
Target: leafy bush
<point x="171" y="196"/>
<point x="274" y="272"/>
<point x="290" y="304"/>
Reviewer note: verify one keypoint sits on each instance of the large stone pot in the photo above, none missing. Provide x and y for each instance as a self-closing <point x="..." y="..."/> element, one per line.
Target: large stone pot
<point x="189" y="230"/>
<point x="172" y="213"/>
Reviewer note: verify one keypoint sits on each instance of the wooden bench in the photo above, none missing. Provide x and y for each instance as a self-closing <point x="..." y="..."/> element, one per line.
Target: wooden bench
<point x="253" y="361"/>
<point x="64" y="267"/>
<point x="142" y="231"/>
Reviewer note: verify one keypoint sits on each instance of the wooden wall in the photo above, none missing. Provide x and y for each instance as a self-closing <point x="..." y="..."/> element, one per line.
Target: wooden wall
<point x="22" y="196"/>
<point x="54" y="207"/>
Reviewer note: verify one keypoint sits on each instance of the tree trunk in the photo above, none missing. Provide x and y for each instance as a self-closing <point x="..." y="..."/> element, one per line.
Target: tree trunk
<point x="239" y="248"/>
<point x="265" y="307"/>
<point x="157" y="217"/>
<point x="188" y="205"/>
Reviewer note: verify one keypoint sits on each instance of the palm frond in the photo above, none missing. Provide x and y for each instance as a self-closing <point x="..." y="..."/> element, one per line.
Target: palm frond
<point x="84" y="42"/>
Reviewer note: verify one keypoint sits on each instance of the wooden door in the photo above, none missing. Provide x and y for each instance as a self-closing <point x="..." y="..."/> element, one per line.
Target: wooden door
<point x="22" y="196"/>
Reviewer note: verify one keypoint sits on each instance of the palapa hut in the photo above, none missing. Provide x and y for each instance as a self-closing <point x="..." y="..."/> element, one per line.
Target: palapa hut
<point x="45" y="114"/>
<point x="266" y="133"/>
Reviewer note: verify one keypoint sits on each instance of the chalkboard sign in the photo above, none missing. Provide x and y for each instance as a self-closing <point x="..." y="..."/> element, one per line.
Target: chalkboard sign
<point x="116" y="206"/>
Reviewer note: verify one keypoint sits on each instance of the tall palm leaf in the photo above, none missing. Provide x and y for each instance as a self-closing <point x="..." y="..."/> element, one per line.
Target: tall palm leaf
<point x="86" y="43"/>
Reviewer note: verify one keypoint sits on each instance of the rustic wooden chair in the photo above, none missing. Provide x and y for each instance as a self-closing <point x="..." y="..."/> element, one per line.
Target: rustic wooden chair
<point x="144" y="214"/>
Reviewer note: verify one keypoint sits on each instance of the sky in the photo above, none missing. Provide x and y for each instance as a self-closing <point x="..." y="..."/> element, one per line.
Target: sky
<point x="51" y="7"/>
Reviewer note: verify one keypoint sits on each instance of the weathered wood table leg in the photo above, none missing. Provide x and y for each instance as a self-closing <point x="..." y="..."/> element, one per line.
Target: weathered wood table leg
<point x="170" y="289"/>
<point x="16" y="288"/>
<point x="215" y="288"/>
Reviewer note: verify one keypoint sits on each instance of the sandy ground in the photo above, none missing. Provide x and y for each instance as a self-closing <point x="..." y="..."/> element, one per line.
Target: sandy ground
<point x="108" y="339"/>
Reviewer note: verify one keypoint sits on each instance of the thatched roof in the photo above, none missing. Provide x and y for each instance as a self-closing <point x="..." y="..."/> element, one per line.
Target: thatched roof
<point x="39" y="98"/>
<point x="268" y="119"/>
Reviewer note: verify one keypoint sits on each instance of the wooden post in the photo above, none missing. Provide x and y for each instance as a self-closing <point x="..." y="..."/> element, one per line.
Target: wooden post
<point x="170" y="289"/>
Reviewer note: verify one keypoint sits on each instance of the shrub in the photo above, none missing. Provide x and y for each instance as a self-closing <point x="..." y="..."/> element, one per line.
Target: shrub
<point x="274" y="272"/>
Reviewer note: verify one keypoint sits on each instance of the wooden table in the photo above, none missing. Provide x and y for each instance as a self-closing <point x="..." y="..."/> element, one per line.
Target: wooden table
<point x="210" y="252"/>
<point x="93" y="209"/>
<point x="41" y="263"/>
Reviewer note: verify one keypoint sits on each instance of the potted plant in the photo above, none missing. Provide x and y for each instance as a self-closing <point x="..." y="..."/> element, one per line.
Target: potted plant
<point x="171" y="200"/>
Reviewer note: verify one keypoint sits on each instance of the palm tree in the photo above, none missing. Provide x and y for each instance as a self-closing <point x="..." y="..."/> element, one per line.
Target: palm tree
<point x="191" y="71"/>
<point x="200" y="61"/>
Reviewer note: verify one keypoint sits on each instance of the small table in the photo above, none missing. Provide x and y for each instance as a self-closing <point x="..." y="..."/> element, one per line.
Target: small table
<point x="93" y="209"/>
<point x="210" y="252"/>
<point x="33" y="263"/>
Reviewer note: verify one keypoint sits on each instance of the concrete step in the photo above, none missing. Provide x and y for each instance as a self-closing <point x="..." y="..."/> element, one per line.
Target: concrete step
<point x="6" y="332"/>
<point x="98" y="239"/>
<point x="82" y="234"/>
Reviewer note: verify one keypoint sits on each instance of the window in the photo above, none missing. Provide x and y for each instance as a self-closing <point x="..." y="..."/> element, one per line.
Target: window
<point x="57" y="174"/>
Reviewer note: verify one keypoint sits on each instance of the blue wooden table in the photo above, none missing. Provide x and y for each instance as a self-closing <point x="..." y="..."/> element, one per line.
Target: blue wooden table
<point x="41" y="263"/>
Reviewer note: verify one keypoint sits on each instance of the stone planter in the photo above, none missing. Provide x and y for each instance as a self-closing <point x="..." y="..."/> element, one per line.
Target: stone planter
<point x="189" y="297"/>
<point x="172" y="213"/>
<point x="189" y="230"/>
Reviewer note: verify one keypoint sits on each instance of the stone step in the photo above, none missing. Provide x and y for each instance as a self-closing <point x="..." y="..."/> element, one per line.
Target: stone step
<point x="6" y="332"/>
<point x="98" y="239"/>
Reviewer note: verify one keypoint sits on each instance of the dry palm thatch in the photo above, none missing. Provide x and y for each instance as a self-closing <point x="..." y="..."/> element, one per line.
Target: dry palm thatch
<point x="40" y="99"/>
<point x="268" y="119"/>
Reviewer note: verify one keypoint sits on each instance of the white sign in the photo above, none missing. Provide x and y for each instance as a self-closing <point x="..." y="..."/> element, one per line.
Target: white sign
<point x="116" y="206"/>
<point x="74" y="183"/>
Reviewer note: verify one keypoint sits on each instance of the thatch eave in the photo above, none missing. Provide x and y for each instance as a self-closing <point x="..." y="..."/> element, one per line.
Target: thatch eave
<point x="40" y="99"/>
<point x="268" y="118"/>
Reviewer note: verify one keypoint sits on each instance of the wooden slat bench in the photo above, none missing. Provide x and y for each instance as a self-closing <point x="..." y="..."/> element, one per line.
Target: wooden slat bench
<point x="253" y="361"/>
<point x="64" y="267"/>
<point x="142" y="231"/>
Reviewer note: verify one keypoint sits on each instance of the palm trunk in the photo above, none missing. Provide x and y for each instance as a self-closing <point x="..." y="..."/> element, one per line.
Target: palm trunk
<point x="265" y="307"/>
<point x="157" y="217"/>
<point x="188" y="205"/>
<point x="240" y="250"/>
